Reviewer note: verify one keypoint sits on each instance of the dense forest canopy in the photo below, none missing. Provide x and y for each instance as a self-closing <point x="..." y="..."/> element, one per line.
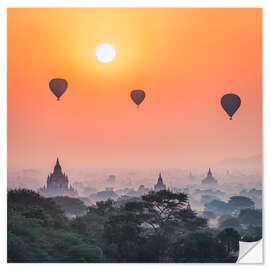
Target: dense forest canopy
<point x="71" y="206"/>
<point x="158" y="227"/>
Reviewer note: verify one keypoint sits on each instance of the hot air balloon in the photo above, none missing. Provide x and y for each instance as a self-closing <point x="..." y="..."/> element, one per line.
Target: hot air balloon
<point x="58" y="87"/>
<point x="230" y="103"/>
<point x="137" y="96"/>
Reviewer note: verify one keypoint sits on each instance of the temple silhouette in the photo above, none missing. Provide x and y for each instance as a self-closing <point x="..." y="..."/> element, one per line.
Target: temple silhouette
<point x="57" y="184"/>
<point x="160" y="185"/>
<point x="209" y="179"/>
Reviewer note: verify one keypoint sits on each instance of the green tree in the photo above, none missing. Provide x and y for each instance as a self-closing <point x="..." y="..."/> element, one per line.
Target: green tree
<point x="79" y="225"/>
<point x="123" y="230"/>
<point x="84" y="253"/>
<point x="22" y="250"/>
<point x="38" y="231"/>
<point x="30" y="203"/>
<point x="97" y="216"/>
<point x="240" y="202"/>
<point x="251" y="217"/>
<point x="230" y="239"/>
<point x="167" y="211"/>
<point x="38" y="213"/>
<point x="71" y="206"/>
<point x="209" y="215"/>
<point x="218" y="207"/>
<point x="198" y="247"/>
<point x="231" y="223"/>
<point x="153" y="248"/>
<point x="252" y="234"/>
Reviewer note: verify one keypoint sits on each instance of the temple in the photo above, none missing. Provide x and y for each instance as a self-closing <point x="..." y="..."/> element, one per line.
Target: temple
<point x="191" y="177"/>
<point x="160" y="186"/>
<point x="209" y="179"/>
<point x="57" y="184"/>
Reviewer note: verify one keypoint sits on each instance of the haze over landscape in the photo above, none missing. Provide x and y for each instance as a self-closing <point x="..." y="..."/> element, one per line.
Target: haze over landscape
<point x="134" y="135"/>
<point x="185" y="66"/>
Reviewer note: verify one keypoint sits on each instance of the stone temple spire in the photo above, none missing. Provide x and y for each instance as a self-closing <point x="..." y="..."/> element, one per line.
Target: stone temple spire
<point x="160" y="185"/>
<point x="57" y="167"/>
<point x="209" y="179"/>
<point x="209" y="172"/>
<point x="160" y="180"/>
<point x="58" y="184"/>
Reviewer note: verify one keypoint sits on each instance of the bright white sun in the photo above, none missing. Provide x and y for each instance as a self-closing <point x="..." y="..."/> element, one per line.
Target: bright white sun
<point x="105" y="53"/>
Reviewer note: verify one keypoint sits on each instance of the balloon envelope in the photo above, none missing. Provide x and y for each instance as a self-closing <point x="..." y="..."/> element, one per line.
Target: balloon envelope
<point x="230" y="103"/>
<point x="58" y="87"/>
<point x="137" y="96"/>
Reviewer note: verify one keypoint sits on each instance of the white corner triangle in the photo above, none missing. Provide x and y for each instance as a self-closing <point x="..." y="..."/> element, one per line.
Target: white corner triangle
<point x="250" y="252"/>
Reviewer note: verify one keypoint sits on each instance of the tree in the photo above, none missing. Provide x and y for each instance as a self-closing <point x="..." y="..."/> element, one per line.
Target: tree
<point x="23" y="250"/>
<point x="231" y="223"/>
<point x="252" y="234"/>
<point x="79" y="225"/>
<point x="20" y="199"/>
<point x="153" y="248"/>
<point x="198" y="247"/>
<point x="97" y="216"/>
<point x="167" y="211"/>
<point x="223" y="218"/>
<point x="250" y="217"/>
<point x="38" y="232"/>
<point x="159" y="227"/>
<point x="123" y="231"/>
<point x="142" y="230"/>
<point x="218" y="207"/>
<point x="71" y="206"/>
<point x="240" y="202"/>
<point x="38" y="213"/>
<point x="209" y="215"/>
<point x="84" y="253"/>
<point x="208" y="198"/>
<point x="230" y="239"/>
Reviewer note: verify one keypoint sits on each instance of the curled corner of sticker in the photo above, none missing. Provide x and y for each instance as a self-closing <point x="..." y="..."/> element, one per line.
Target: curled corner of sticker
<point x="250" y="252"/>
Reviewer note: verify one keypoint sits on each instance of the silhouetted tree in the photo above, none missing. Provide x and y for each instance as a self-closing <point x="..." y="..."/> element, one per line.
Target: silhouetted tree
<point x="167" y="211"/>
<point x="83" y="253"/>
<point x="71" y="206"/>
<point x="218" y="207"/>
<point x="240" y="202"/>
<point x="250" y="217"/>
<point x="230" y="239"/>
<point x="209" y="215"/>
<point x="198" y="247"/>
<point x="123" y="230"/>
<point x="231" y="223"/>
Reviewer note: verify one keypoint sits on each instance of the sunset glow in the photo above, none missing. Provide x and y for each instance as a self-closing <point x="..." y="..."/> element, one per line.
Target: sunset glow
<point x="184" y="59"/>
<point x="134" y="135"/>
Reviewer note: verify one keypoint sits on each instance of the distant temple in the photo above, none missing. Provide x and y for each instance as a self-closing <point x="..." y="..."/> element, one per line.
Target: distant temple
<point x="191" y="177"/>
<point x="111" y="179"/>
<point x="108" y="193"/>
<point x="160" y="186"/>
<point x="57" y="184"/>
<point x="142" y="190"/>
<point x="209" y="179"/>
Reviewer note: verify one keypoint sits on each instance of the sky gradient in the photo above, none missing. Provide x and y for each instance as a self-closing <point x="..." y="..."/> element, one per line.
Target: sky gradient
<point x="184" y="59"/>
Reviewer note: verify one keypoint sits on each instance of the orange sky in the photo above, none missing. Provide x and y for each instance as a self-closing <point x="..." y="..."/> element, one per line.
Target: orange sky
<point x="185" y="60"/>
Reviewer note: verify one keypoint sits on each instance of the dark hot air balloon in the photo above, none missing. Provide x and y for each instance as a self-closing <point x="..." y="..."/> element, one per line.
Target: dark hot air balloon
<point x="230" y="103"/>
<point x="137" y="96"/>
<point x="58" y="87"/>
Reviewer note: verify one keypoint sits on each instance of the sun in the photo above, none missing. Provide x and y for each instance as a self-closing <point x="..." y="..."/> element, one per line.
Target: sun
<point x="105" y="53"/>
